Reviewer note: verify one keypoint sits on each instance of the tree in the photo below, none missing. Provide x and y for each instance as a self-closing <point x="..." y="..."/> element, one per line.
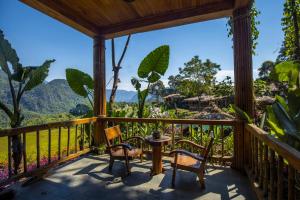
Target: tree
<point x="21" y="79"/>
<point x="254" y="12"/>
<point x="224" y="88"/>
<point x="196" y="77"/>
<point x="290" y="22"/>
<point x="116" y="66"/>
<point x="157" y="89"/>
<point x="265" y="70"/>
<point x="152" y="67"/>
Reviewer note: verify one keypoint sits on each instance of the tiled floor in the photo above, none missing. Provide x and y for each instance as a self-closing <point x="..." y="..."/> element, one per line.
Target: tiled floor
<point x="88" y="178"/>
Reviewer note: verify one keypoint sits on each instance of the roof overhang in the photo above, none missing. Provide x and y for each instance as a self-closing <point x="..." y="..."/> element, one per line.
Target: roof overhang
<point x="117" y="18"/>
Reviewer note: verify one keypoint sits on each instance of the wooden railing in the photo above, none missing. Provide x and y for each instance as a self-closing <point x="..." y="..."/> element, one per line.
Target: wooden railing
<point x="273" y="167"/>
<point x="191" y="129"/>
<point x="61" y="141"/>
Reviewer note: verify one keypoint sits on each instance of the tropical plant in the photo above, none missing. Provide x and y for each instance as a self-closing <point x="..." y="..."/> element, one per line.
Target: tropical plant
<point x="81" y="83"/>
<point x="290" y="22"/>
<point x="152" y="67"/>
<point x="283" y="117"/>
<point x="21" y="79"/>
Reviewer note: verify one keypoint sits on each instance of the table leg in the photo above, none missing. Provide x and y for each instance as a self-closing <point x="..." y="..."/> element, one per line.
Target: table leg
<point x="156" y="160"/>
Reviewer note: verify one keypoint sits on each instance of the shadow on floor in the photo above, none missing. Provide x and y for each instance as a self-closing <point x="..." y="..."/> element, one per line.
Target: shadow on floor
<point x="89" y="178"/>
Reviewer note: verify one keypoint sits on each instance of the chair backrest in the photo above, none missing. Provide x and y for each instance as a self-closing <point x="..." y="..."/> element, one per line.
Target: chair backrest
<point x="112" y="133"/>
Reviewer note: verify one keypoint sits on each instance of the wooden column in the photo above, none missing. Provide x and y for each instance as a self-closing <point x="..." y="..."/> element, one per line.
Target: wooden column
<point x="99" y="88"/>
<point x="243" y="77"/>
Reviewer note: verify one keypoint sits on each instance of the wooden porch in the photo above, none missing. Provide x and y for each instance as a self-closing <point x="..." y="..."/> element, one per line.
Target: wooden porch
<point x="272" y="167"/>
<point x="89" y="178"/>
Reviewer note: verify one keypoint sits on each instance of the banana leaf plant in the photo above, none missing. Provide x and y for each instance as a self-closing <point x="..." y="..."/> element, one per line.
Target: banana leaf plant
<point x="152" y="67"/>
<point x="21" y="79"/>
<point x="283" y="117"/>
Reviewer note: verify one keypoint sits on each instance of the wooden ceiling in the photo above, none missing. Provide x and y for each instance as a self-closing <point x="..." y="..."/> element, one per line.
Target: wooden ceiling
<point x="113" y="18"/>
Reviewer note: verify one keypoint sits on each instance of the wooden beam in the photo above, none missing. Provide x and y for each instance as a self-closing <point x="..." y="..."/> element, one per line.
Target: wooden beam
<point x="99" y="87"/>
<point x="170" y="19"/>
<point x="243" y="74"/>
<point x="64" y="15"/>
<point x="242" y="3"/>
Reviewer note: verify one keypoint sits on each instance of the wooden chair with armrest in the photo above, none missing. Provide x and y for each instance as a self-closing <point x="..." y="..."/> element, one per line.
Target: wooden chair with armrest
<point x="192" y="162"/>
<point x="123" y="150"/>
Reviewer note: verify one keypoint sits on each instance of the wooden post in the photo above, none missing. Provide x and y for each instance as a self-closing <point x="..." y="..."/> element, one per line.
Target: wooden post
<point x="99" y="88"/>
<point x="243" y="77"/>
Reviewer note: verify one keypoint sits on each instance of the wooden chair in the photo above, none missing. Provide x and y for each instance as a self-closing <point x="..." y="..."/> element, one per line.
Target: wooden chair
<point x="192" y="162"/>
<point x="123" y="150"/>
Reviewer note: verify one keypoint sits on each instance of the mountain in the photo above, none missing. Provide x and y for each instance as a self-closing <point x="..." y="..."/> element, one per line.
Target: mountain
<point x="51" y="97"/>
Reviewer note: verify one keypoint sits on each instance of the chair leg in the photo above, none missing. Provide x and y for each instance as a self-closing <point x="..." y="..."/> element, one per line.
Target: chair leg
<point x="111" y="163"/>
<point x="174" y="177"/>
<point x="127" y="167"/>
<point x="201" y="180"/>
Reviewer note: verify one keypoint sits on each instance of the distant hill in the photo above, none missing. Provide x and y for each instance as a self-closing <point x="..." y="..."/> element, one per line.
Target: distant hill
<point x="51" y="97"/>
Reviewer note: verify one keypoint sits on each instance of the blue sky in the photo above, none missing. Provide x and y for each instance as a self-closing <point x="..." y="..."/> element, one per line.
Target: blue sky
<point x="37" y="37"/>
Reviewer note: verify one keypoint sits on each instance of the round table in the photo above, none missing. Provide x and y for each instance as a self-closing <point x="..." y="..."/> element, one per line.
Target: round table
<point x="157" y="145"/>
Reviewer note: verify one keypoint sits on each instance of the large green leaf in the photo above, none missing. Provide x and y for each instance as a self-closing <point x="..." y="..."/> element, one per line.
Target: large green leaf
<point x="78" y="81"/>
<point x="283" y="102"/>
<point x="153" y="77"/>
<point x="293" y="103"/>
<point x="286" y="72"/>
<point x="285" y="120"/>
<point x="38" y="75"/>
<point x="155" y="61"/>
<point x="8" y="54"/>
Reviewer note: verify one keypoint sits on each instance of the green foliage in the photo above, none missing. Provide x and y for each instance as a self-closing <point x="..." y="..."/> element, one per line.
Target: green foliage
<point x="196" y="77"/>
<point x="80" y="82"/>
<point x="155" y="64"/>
<point x="265" y="70"/>
<point x="254" y="13"/>
<point x="224" y="88"/>
<point x="290" y="25"/>
<point x="152" y="67"/>
<point x="261" y="88"/>
<point x="27" y="78"/>
<point x="283" y="116"/>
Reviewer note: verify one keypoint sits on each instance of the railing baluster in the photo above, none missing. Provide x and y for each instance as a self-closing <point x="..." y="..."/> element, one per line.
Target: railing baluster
<point x="76" y="135"/>
<point x="90" y="135"/>
<point x="201" y="135"/>
<point x="173" y="137"/>
<point x="126" y="130"/>
<point x="24" y="153"/>
<point x="68" y="141"/>
<point x="59" y="143"/>
<point x="222" y="141"/>
<point x="252" y="154"/>
<point x="272" y="175"/>
<point x="49" y="146"/>
<point x="280" y="178"/>
<point x="181" y="131"/>
<point x="255" y="158"/>
<point x="291" y="183"/>
<point x="9" y="156"/>
<point x="260" y="164"/>
<point x="266" y="170"/>
<point x="38" y="149"/>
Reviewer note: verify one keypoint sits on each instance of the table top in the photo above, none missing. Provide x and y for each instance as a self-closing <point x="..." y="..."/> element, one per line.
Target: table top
<point x="163" y="140"/>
